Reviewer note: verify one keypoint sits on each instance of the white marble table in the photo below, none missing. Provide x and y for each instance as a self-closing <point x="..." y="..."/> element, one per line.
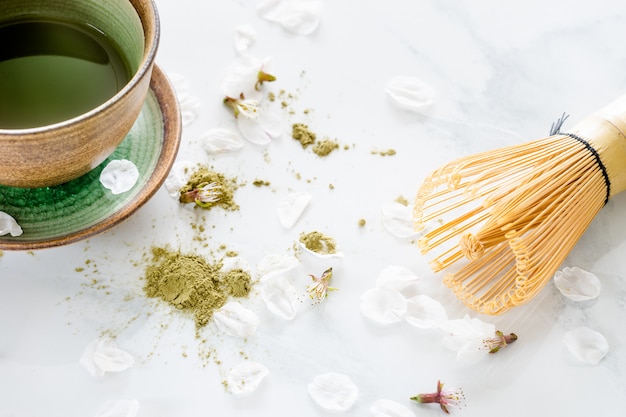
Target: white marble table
<point x="503" y="72"/>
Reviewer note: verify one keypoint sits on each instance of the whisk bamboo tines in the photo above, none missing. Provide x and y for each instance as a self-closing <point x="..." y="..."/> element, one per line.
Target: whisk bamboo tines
<point x="503" y="221"/>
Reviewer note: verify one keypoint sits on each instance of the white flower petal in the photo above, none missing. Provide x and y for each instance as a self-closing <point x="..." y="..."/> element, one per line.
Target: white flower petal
<point x="333" y="391"/>
<point x="236" y="320"/>
<point x="587" y="345"/>
<point x="221" y="140"/>
<point x="119" y="408"/>
<point x="276" y="263"/>
<point x="577" y="284"/>
<point x="383" y="305"/>
<point x="300" y="17"/>
<point x="398" y="220"/>
<point x="246" y="377"/>
<point x="244" y="38"/>
<point x="8" y="225"/>
<point x="388" y="408"/>
<point x="103" y="355"/>
<point x="188" y="104"/>
<point x="241" y="77"/>
<point x="424" y="312"/>
<point x="280" y="296"/>
<point x="466" y="335"/>
<point x="291" y="207"/>
<point x="398" y="278"/>
<point x="410" y="93"/>
<point x="119" y="176"/>
<point x="189" y="109"/>
<point x="179" y="176"/>
<point x="471" y="352"/>
<point x="271" y="9"/>
<point x="267" y="126"/>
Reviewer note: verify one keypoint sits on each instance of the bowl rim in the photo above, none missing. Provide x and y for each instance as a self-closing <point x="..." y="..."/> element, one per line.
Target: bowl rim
<point x="145" y="69"/>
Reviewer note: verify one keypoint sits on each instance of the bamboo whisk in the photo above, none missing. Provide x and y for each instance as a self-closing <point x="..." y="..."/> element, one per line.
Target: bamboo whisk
<point x="503" y="221"/>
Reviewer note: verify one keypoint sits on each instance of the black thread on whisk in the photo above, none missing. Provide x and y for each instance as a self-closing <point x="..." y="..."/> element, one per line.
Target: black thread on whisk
<point x="556" y="130"/>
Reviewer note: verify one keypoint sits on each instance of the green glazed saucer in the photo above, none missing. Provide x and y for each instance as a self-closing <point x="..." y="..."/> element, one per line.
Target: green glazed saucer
<point x="81" y="208"/>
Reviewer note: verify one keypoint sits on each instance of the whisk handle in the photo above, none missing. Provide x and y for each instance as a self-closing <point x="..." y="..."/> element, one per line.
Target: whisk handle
<point x="605" y="130"/>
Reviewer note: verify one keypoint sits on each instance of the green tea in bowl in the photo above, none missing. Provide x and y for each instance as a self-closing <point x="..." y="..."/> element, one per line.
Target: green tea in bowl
<point x="52" y="71"/>
<point x="74" y="75"/>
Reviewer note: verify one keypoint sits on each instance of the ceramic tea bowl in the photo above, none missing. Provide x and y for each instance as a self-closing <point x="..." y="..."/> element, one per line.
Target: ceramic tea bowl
<point x="53" y="154"/>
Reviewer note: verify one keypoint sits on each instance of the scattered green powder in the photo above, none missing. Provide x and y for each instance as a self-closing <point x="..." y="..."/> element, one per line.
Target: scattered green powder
<point x="402" y="200"/>
<point x="236" y="282"/>
<point x="388" y="152"/>
<point x="191" y="284"/>
<point x="227" y="186"/>
<point x="306" y="137"/>
<point x="260" y="183"/>
<point x="301" y="133"/>
<point x="325" y="147"/>
<point x="318" y="242"/>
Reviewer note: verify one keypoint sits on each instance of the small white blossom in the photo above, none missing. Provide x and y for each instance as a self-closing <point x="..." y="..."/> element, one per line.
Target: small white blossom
<point x="577" y="284"/>
<point x="467" y="337"/>
<point x="261" y="127"/>
<point x="8" y="225"/>
<point x="300" y="17"/>
<point x="241" y="77"/>
<point x="410" y="93"/>
<point x="119" y="176"/>
<point x="587" y="345"/>
<point x="333" y="391"/>
<point x="318" y="291"/>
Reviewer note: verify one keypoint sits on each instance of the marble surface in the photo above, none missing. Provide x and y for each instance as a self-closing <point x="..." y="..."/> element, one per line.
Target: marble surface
<point x="503" y="72"/>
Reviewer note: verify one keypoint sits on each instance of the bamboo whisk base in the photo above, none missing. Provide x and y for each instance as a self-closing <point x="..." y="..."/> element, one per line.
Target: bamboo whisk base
<point x="506" y="219"/>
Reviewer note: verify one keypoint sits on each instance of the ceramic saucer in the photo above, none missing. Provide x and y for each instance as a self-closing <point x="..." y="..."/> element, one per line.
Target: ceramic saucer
<point x="81" y="208"/>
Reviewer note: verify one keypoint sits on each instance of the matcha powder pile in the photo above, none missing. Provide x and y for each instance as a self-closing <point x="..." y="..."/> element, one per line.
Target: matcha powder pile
<point x="192" y="285"/>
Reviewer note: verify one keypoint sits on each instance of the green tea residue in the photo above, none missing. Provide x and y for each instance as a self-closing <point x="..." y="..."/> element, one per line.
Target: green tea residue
<point x="388" y="152"/>
<point x="302" y="134"/>
<point x="191" y="284"/>
<point x="318" y="242"/>
<point x="325" y="147"/>
<point x="209" y="189"/>
<point x="402" y="200"/>
<point x="236" y="283"/>
<point x="260" y="183"/>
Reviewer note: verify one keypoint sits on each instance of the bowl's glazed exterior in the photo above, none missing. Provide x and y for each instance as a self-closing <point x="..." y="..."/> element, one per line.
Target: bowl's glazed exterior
<point x="54" y="154"/>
